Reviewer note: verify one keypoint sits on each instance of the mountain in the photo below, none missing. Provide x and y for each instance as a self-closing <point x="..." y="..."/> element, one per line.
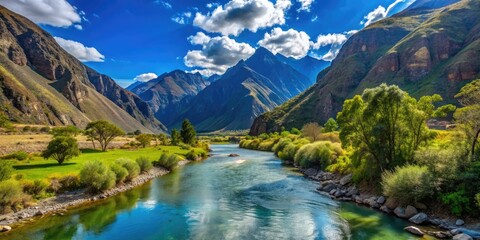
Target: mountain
<point x="431" y="47"/>
<point x="245" y="91"/>
<point x="134" y="85"/>
<point x="309" y="66"/>
<point x="41" y="83"/>
<point x="167" y="93"/>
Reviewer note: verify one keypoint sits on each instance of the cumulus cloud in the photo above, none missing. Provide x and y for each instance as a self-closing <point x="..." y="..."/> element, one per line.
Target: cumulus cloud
<point x="57" y="13"/>
<point x="290" y="43"/>
<point x="305" y="5"/>
<point x="334" y="41"/>
<point x="182" y="18"/>
<point x="81" y="52"/>
<point x="381" y="12"/>
<point x="145" y="77"/>
<point x="217" y="54"/>
<point x="238" y="15"/>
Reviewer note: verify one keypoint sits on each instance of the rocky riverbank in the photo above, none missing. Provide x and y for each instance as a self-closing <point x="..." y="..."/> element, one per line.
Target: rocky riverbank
<point x="341" y="188"/>
<point x="60" y="203"/>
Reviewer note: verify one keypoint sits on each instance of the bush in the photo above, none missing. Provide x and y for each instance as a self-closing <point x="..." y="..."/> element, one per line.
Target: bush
<point x="477" y="200"/>
<point x="96" y="176"/>
<point x="70" y="182"/>
<point x="144" y="163"/>
<point x="45" y="129"/>
<point x="13" y="197"/>
<point x="280" y="145"/>
<point x="168" y="161"/>
<point x="132" y="167"/>
<point x="27" y="129"/>
<point x="120" y="172"/>
<point x="288" y="153"/>
<point x="295" y="131"/>
<point x="318" y="154"/>
<point x="196" y="154"/>
<point x="6" y="170"/>
<point x="184" y="146"/>
<point x="18" y="155"/>
<point x="457" y="201"/>
<point x="408" y="184"/>
<point x="34" y="188"/>
<point x="266" y="145"/>
<point x="330" y="136"/>
<point x="443" y="162"/>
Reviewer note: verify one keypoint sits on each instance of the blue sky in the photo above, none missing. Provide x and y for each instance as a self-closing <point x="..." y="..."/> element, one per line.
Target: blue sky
<point x="125" y="39"/>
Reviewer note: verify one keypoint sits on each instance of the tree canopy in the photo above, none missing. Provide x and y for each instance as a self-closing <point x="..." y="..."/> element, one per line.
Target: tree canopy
<point x="62" y="149"/>
<point x="175" y="136"/>
<point x="469" y="115"/>
<point x="103" y="132"/>
<point x="188" y="133"/>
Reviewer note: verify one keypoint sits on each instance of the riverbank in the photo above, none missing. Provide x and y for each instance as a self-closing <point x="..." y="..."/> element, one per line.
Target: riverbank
<point x="61" y="203"/>
<point x="341" y="188"/>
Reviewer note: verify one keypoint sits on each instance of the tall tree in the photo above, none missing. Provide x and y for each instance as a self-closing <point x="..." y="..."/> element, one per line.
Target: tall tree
<point x="67" y="131"/>
<point x="144" y="139"/>
<point x="62" y="148"/>
<point x="330" y="126"/>
<point x="188" y="132"/>
<point x="312" y="131"/>
<point x="469" y="115"/>
<point x="175" y="136"/>
<point x="104" y="132"/>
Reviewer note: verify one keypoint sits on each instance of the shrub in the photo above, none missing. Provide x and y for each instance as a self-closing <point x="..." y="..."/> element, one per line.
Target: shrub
<point x="442" y="162"/>
<point x="408" y="184"/>
<point x="144" y="163"/>
<point x="132" y="167"/>
<point x="168" y="161"/>
<point x="288" y="153"/>
<point x="195" y="154"/>
<point x="266" y="145"/>
<point x="96" y="176"/>
<point x="295" y="131"/>
<point x="342" y="165"/>
<point x="6" y="170"/>
<point x="70" y="182"/>
<point x="19" y="155"/>
<point x="34" y="129"/>
<point x="318" y="154"/>
<point x="330" y="136"/>
<point x="27" y="129"/>
<point x="19" y="176"/>
<point x="477" y="199"/>
<point x="35" y="188"/>
<point x="120" y="172"/>
<point x="458" y="202"/>
<point x="13" y="197"/>
<point x="280" y="145"/>
<point x="45" y="129"/>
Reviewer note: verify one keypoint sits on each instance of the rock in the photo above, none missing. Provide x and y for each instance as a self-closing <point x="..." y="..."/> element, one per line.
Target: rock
<point x="372" y="202"/>
<point x="459" y="222"/>
<point x="392" y="204"/>
<point x="410" y="211"/>
<point x="381" y="200"/>
<point x="233" y="155"/>
<point x="346" y="179"/>
<point x="414" y="230"/>
<point x="400" y="212"/>
<point x="441" y="235"/>
<point x="311" y="172"/>
<point x="339" y="193"/>
<point x="39" y="213"/>
<point x="329" y="187"/>
<point x="352" y="192"/>
<point x="434" y="221"/>
<point x="419" y="218"/>
<point x="385" y="209"/>
<point x="333" y="192"/>
<point x="358" y="199"/>
<point x="420" y="206"/>
<point x="5" y="228"/>
<point x="455" y="231"/>
<point x="462" y="236"/>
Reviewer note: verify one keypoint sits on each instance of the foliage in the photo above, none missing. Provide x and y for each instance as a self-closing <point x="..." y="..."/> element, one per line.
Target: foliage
<point x="96" y="176"/>
<point x="103" y="132"/>
<point x="330" y="126"/>
<point x="162" y="138"/>
<point x="168" y="161"/>
<point x="295" y="131"/>
<point x="12" y="196"/>
<point x="477" y="199"/>
<point x="35" y="188"/>
<point x="175" y="137"/>
<point x="67" y="131"/>
<point x="457" y="201"/>
<point x="280" y="145"/>
<point x="195" y="154"/>
<point x="318" y="154"/>
<point x="188" y="133"/>
<point x="330" y="136"/>
<point x="26" y="129"/>
<point x="69" y="182"/>
<point x="45" y="129"/>
<point x="121" y="173"/>
<point x="62" y="148"/>
<point x="6" y="170"/>
<point x="5" y="121"/>
<point x="289" y="151"/>
<point x="408" y="184"/>
<point x="144" y="139"/>
<point x="131" y="166"/>
<point x="312" y="131"/>
<point x="144" y="163"/>
<point x="18" y="155"/>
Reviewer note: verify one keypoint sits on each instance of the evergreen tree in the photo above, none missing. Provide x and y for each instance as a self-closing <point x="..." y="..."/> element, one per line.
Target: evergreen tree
<point x="188" y="133"/>
<point x="175" y="135"/>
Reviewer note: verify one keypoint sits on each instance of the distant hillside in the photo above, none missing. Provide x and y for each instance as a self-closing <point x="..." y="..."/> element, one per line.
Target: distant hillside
<point x="41" y="83"/>
<point x="245" y="91"/>
<point x="308" y="66"/>
<point x="426" y="49"/>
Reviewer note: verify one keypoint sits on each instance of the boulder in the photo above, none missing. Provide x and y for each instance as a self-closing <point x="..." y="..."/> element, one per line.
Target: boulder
<point x="385" y="209"/>
<point x="381" y="200"/>
<point x="346" y="179"/>
<point x="462" y="236"/>
<point x="392" y="204"/>
<point x="455" y="231"/>
<point x="358" y="199"/>
<point x="39" y="213"/>
<point x="329" y="187"/>
<point x="414" y="230"/>
<point x="410" y="211"/>
<point x="400" y="212"/>
<point x="311" y="172"/>
<point x="333" y="192"/>
<point x="352" y="192"/>
<point x="233" y="155"/>
<point x="372" y="202"/>
<point x="419" y="218"/>
<point x="5" y="228"/>
<point x="441" y="235"/>
<point x="339" y="193"/>
<point x="459" y="222"/>
<point x="420" y="206"/>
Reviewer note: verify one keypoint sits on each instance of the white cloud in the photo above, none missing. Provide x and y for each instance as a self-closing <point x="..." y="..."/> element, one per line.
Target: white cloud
<point x="78" y="26"/>
<point x="145" y="77"/>
<point x="305" y="5"/>
<point x="330" y="39"/>
<point x="57" y="13"/>
<point x="165" y="4"/>
<point x="315" y="18"/>
<point x="238" y="15"/>
<point x="81" y="52"/>
<point x="290" y="43"/>
<point x="212" y="5"/>
<point x="381" y="12"/>
<point x="182" y="18"/>
<point x="217" y="54"/>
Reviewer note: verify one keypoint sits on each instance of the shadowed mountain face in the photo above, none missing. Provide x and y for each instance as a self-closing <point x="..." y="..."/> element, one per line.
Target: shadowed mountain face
<point x="245" y="91"/>
<point x="41" y="83"/>
<point x="431" y="47"/>
<point x="169" y="92"/>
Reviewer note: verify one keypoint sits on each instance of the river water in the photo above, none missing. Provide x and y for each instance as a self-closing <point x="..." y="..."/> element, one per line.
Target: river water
<point x="247" y="197"/>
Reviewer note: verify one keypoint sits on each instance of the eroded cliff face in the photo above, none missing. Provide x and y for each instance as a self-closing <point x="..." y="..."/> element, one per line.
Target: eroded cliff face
<point x="424" y="50"/>
<point x="32" y="50"/>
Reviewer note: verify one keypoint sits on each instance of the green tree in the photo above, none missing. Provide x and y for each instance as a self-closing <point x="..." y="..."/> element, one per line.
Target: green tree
<point x="162" y="139"/>
<point x="144" y="139"/>
<point x="175" y="137"/>
<point x="6" y="170"/>
<point x="61" y="149"/>
<point x="330" y="126"/>
<point x="469" y="115"/>
<point x="188" y="133"/>
<point x="103" y="132"/>
<point x="5" y="121"/>
<point x="67" y="131"/>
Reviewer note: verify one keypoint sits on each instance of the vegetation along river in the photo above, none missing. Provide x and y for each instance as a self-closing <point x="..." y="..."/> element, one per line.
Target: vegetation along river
<point x="247" y="197"/>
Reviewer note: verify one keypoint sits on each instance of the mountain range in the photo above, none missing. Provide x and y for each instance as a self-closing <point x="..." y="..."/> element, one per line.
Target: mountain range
<point x="431" y="47"/>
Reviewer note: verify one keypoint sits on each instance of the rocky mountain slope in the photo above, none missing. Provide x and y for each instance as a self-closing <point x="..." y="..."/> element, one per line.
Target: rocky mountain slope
<point x="245" y="91"/>
<point x="431" y="47"/>
<point x="41" y="83"/>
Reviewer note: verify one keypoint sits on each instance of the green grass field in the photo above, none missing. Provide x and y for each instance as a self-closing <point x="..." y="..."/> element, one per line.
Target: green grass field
<point x="39" y="168"/>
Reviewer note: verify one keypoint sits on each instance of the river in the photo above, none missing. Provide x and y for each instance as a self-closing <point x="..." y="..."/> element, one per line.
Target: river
<point x="247" y="197"/>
